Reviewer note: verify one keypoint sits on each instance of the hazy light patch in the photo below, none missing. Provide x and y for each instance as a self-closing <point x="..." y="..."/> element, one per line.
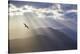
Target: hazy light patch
<point x="17" y="28"/>
<point x="11" y="14"/>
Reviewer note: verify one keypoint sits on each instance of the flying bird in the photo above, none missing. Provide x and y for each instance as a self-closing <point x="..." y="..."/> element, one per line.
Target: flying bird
<point x="26" y="26"/>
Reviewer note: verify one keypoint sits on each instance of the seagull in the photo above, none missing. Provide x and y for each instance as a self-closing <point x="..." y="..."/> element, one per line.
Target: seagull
<point x="26" y="26"/>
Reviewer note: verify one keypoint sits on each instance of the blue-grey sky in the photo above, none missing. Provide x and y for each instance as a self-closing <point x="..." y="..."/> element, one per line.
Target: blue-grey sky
<point x="59" y="16"/>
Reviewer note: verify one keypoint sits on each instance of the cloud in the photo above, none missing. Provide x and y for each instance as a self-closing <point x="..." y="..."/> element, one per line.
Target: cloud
<point x="54" y="11"/>
<point x="41" y="12"/>
<point x="70" y="11"/>
<point x="12" y="8"/>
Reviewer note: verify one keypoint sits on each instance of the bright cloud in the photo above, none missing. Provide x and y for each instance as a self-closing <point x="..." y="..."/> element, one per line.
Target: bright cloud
<point x="70" y="11"/>
<point x="13" y="10"/>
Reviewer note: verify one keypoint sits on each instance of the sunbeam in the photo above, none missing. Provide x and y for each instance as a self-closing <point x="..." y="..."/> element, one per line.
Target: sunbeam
<point x="35" y="26"/>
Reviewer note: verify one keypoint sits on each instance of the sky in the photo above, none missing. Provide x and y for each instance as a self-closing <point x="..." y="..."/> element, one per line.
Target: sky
<point x="36" y="14"/>
<point x="65" y="9"/>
